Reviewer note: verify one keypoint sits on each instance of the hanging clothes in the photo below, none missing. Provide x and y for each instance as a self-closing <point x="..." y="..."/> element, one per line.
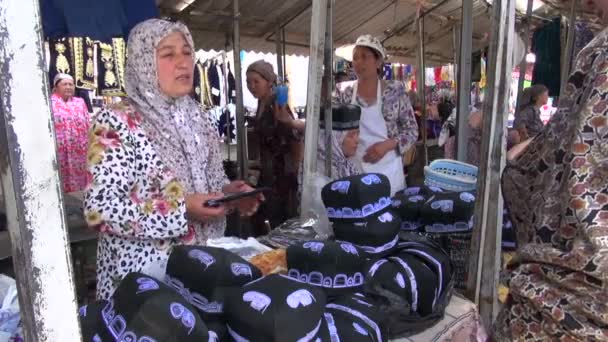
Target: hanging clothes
<point x="429" y="78"/>
<point x="548" y="57"/>
<point x="220" y="72"/>
<point x="388" y="71"/>
<point x="61" y="60"/>
<point x="111" y="62"/>
<point x="83" y="50"/>
<point x="198" y="83"/>
<point x="438" y="75"/>
<point x="231" y="86"/>
<point x="476" y="67"/>
<point x="214" y="83"/>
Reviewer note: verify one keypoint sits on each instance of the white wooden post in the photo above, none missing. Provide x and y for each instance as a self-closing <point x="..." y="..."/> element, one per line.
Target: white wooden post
<point x="486" y="241"/>
<point x="313" y="101"/>
<point x="30" y="180"/>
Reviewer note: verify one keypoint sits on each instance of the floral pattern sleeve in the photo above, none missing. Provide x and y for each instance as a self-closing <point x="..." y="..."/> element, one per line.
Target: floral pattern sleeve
<point x="129" y="192"/>
<point x="407" y="127"/>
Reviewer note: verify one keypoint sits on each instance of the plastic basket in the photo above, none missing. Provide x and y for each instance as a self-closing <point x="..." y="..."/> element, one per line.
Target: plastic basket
<point x="451" y="175"/>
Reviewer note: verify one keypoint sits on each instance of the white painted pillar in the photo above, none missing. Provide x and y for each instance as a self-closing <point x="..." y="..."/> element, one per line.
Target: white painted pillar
<point x="313" y="101"/>
<point x="485" y="262"/>
<point x="30" y="180"/>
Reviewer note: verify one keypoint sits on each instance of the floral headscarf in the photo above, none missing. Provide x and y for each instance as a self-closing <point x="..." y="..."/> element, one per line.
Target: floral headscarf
<point x="182" y="135"/>
<point x="174" y="126"/>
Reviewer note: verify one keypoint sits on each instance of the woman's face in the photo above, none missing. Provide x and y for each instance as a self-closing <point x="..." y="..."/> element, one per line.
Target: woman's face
<point x="174" y="65"/>
<point x="258" y="86"/>
<point x="543" y="99"/>
<point x="365" y="62"/>
<point x="599" y="7"/>
<point x="65" y="89"/>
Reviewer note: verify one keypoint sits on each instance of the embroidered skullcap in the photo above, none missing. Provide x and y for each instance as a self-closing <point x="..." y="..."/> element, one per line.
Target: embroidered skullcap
<point x="60" y="77"/>
<point x="265" y="70"/>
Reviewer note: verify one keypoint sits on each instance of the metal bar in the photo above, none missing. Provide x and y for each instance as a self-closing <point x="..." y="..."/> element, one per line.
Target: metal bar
<point x="284" y="49"/>
<point x="328" y="83"/>
<point x="30" y="180"/>
<point x="298" y="8"/>
<point x="464" y="80"/>
<point x="279" y="50"/>
<point x="241" y="131"/>
<point x="523" y="65"/>
<point x="358" y="25"/>
<point x="422" y="86"/>
<point x="313" y="101"/>
<point x="567" y="61"/>
<point x="486" y="239"/>
<point x="413" y="20"/>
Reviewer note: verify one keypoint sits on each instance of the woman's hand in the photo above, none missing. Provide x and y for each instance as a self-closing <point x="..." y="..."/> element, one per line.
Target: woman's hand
<point x="196" y="209"/>
<point x="350" y="143"/>
<point x="246" y="206"/>
<point x="377" y="151"/>
<point x="283" y="115"/>
<point x="518" y="149"/>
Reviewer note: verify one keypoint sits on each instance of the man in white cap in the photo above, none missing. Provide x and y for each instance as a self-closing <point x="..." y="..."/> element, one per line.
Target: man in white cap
<point x="71" y="119"/>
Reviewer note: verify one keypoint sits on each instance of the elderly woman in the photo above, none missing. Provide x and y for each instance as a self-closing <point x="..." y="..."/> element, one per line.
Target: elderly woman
<point x="154" y="161"/>
<point x="527" y="120"/>
<point x="71" y="119"/>
<point x="280" y="145"/>
<point x="556" y="190"/>
<point x="388" y="127"/>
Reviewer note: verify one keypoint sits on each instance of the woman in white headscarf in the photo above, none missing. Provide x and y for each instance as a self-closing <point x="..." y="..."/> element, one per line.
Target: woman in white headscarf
<point x="154" y="161"/>
<point x="71" y="119"/>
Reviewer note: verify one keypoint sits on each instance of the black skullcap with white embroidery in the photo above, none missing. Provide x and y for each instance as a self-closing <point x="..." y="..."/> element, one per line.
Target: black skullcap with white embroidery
<point x="408" y="278"/>
<point x="408" y="207"/>
<point x="335" y="267"/>
<point x="448" y="212"/>
<point x="344" y="117"/>
<point x="355" y="198"/>
<point x="201" y="274"/>
<point x="275" y="308"/>
<point x="377" y="236"/>
<point x="354" y="318"/>
<point x="143" y="309"/>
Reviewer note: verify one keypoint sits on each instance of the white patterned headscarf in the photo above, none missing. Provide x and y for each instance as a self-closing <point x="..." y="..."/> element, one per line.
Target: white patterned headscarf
<point x="174" y="125"/>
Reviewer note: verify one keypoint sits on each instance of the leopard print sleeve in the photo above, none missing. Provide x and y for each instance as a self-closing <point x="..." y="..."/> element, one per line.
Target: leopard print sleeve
<point x="130" y="193"/>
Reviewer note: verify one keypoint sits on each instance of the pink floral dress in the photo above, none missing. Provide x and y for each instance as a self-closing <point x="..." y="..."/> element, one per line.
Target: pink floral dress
<point x="71" y="129"/>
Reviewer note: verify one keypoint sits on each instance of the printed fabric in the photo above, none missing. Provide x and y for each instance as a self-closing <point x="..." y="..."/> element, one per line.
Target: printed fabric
<point x="557" y="195"/>
<point x="71" y="120"/>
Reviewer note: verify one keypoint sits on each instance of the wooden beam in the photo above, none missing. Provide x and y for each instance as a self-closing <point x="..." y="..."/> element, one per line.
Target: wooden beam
<point x="485" y="258"/>
<point x="30" y="180"/>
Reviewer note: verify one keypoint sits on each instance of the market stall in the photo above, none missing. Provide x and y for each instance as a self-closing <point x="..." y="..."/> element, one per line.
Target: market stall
<point x="38" y="229"/>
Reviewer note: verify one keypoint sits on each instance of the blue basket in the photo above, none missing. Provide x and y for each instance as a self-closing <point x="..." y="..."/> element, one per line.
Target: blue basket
<point x="451" y="175"/>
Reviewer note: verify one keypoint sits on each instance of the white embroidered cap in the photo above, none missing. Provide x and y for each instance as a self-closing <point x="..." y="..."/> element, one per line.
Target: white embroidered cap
<point x="373" y="43"/>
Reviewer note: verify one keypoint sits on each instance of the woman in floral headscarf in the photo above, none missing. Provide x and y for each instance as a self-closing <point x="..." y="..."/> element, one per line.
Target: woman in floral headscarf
<point x="557" y="193"/>
<point x="154" y="161"/>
